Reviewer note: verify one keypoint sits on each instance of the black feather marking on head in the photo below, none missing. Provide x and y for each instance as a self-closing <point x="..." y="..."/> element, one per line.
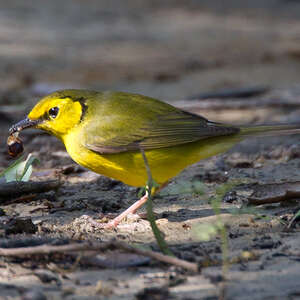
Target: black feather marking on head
<point x="84" y="107"/>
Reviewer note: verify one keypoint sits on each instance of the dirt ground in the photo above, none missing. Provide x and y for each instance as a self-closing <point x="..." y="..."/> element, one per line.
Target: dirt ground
<point x="179" y="53"/>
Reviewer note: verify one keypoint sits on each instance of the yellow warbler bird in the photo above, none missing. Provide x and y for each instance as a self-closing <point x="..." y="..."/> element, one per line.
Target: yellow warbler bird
<point x="106" y="131"/>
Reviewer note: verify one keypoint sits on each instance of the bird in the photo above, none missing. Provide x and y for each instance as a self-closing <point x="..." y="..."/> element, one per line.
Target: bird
<point x="112" y="132"/>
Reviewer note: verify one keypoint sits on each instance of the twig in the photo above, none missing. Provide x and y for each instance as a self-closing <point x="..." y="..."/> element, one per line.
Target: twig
<point x="292" y="253"/>
<point x="18" y="188"/>
<point x="243" y="92"/>
<point x="48" y="249"/>
<point x="160" y="257"/>
<point x="22" y="199"/>
<point x="150" y="215"/>
<point x="274" y="101"/>
<point x="273" y="192"/>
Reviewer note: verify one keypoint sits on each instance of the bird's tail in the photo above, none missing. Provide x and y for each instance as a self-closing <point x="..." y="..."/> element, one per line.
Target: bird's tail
<point x="269" y="130"/>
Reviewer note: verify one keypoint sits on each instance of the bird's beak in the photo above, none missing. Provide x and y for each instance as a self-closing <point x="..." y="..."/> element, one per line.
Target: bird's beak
<point x="26" y="123"/>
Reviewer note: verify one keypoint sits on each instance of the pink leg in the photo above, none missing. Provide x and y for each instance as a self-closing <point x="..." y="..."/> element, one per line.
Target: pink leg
<point x="131" y="210"/>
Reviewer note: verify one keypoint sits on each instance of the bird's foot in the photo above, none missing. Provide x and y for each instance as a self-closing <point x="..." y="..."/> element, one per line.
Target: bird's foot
<point x="103" y="224"/>
<point x="129" y="211"/>
<point x="125" y="214"/>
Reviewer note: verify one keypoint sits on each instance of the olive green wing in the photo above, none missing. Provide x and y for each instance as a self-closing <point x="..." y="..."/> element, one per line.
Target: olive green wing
<point x="144" y="123"/>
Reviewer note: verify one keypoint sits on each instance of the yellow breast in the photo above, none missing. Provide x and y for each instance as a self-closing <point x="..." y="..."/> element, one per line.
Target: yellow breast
<point x="129" y="167"/>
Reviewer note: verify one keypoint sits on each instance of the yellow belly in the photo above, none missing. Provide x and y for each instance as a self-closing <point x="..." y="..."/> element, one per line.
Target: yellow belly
<point x="164" y="163"/>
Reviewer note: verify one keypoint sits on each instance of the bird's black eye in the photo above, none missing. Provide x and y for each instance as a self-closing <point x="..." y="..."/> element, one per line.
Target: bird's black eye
<point x="53" y="112"/>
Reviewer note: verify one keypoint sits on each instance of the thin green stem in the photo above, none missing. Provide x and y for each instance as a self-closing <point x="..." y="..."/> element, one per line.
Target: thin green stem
<point x="216" y="205"/>
<point x="150" y="215"/>
<point x="225" y="252"/>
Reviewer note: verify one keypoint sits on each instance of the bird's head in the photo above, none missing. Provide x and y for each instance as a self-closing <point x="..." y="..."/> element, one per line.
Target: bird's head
<point x="56" y="113"/>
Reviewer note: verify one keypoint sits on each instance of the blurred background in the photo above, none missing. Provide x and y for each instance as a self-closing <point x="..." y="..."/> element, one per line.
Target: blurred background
<point x="167" y="49"/>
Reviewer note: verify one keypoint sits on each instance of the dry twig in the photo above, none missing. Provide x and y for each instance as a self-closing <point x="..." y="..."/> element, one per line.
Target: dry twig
<point x="274" y="192"/>
<point x="48" y="249"/>
<point x="18" y="188"/>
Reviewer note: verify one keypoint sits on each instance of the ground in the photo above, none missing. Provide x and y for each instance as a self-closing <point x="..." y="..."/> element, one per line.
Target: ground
<point x="174" y="52"/>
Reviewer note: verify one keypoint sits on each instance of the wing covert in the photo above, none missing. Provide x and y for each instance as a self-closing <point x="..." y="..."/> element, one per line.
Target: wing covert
<point x="148" y="124"/>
